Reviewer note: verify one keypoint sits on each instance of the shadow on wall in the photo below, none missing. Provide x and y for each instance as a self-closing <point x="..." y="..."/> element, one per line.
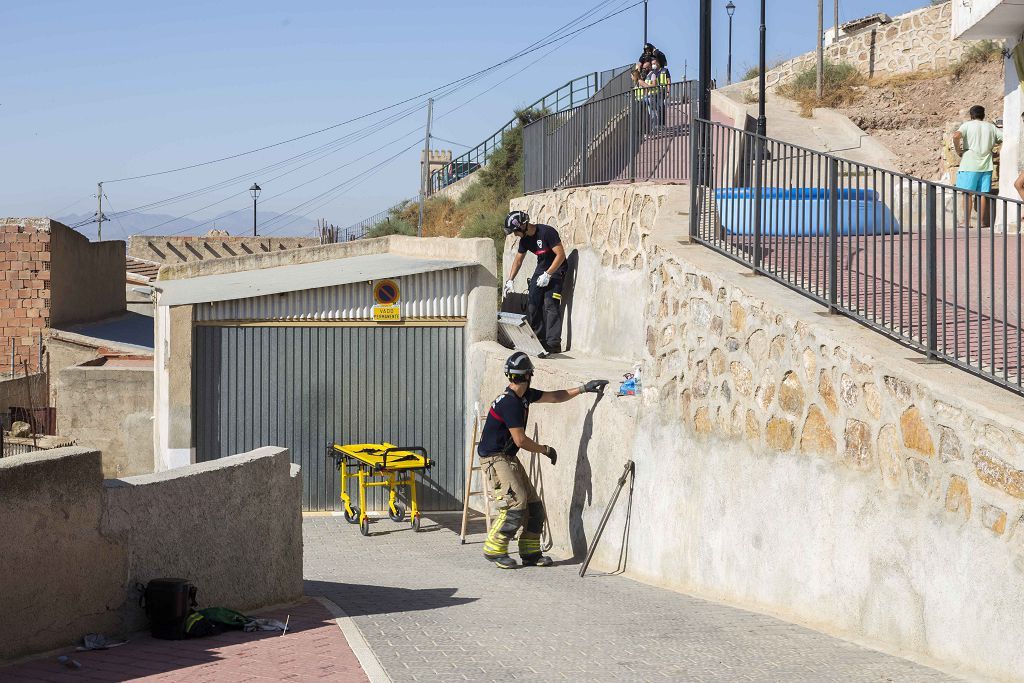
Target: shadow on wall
<point x="582" y="487"/>
<point x="568" y="287"/>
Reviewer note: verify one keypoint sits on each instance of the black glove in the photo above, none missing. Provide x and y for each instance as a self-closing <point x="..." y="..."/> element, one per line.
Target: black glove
<point x="552" y="454"/>
<point x="595" y="386"/>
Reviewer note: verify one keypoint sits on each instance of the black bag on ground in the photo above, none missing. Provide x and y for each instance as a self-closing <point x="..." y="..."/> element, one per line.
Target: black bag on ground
<point x="168" y="603"/>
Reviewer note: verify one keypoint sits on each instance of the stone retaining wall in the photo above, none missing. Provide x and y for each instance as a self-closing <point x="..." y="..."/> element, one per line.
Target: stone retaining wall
<point x="917" y="41"/>
<point x="798" y="462"/>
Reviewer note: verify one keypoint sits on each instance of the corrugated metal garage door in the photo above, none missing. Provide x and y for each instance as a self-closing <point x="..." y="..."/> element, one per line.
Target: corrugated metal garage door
<point x="301" y="387"/>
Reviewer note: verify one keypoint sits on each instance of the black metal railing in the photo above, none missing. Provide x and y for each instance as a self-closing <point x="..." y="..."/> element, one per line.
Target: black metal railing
<point x="935" y="267"/>
<point x="637" y="134"/>
<point x="567" y="96"/>
<point x="360" y="229"/>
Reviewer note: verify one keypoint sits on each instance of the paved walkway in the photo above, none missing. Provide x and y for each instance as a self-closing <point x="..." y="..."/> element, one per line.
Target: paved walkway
<point x="433" y="610"/>
<point x="313" y="649"/>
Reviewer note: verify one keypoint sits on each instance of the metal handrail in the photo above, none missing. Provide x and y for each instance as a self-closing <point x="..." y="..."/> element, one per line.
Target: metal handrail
<point x="887" y="249"/>
<point x="564" y="97"/>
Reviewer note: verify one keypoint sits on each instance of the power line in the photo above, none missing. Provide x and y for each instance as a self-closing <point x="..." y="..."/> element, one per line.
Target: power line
<point x="512" y="58"/>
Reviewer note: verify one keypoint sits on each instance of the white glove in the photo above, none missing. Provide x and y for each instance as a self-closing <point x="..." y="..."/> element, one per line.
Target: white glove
<point x="508" y="288"/>
<point x="543" y="280"/>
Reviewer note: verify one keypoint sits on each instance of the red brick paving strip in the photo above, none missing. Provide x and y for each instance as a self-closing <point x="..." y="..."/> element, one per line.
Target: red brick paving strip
<point x="314" y="649"/>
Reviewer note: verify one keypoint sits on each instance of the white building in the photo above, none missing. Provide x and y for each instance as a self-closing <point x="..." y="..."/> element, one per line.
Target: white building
<point x="999" y="20"/>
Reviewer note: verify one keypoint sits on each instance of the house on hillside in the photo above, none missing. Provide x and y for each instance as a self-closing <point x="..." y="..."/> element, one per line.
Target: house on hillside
<point x="1000" y="20"/>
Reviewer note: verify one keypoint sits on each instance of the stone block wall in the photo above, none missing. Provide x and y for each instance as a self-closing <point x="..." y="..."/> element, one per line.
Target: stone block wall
<point x="917" y="41"/>
<point x="792" y="461"/>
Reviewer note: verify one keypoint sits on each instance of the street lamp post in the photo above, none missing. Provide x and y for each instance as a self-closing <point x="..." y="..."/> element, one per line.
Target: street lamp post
<point x="729" y="9"/>
<point x="762" y="123"/>
<point x="255" y="192"/>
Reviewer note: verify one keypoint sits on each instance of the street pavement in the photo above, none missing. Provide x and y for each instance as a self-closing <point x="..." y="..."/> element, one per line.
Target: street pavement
<point x="434" y="610"/>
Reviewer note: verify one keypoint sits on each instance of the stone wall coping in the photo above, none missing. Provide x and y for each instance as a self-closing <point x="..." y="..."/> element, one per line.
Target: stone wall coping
<point x="946" y="382"/>
<point x="448" y="247"/>
<point x="574" y="370"/>
<point x="48" y="457"/>
<point x="231" y="461"/>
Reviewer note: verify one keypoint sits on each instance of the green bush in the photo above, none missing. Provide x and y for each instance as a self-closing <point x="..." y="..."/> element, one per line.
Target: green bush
<point x="834" y="75"/>
<point x="981" y="52"/>
<point x="752" y="72"/>
<point x="838" y="81"/>
<point x="391" y="226"/>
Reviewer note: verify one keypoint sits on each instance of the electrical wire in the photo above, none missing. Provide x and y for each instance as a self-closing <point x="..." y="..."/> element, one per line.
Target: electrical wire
<point x="481" y="72"/>
<point x="326" y="149"/>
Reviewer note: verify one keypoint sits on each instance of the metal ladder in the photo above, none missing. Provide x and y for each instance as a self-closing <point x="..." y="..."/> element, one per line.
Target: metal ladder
<point x="473" y="465"/>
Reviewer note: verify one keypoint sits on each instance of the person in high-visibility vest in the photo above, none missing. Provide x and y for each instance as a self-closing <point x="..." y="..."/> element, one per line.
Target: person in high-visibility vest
<point x="504" y="433"/>
<point x="658" y="81"/>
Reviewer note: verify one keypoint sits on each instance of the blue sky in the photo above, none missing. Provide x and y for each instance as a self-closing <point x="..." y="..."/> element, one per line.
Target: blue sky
<point x="99" y="91"/>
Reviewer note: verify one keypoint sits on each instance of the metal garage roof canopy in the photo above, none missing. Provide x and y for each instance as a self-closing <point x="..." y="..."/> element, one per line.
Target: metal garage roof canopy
<point x="250" y="283"/>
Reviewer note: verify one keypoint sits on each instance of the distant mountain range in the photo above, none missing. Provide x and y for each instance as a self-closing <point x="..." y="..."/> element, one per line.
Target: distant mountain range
<point x="239" y="223"/>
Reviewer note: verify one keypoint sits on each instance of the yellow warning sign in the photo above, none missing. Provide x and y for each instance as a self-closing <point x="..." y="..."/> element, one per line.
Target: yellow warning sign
<point x="387" y="313"/>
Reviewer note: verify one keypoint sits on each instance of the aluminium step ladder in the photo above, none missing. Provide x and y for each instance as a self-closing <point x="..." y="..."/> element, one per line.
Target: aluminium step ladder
<point x="473" y="465"/>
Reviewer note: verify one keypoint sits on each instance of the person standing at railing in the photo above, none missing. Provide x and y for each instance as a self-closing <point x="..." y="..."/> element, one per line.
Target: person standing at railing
<point x="544" y="305"/>
<point x="658" y="82"/>
<point x="974" y="141"/>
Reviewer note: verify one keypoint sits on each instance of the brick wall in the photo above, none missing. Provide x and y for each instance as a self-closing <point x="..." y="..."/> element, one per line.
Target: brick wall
<point x="24" y="288"/>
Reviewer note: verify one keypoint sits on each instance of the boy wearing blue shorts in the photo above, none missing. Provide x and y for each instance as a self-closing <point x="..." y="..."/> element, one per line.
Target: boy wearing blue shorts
<point x="974" y="141"/>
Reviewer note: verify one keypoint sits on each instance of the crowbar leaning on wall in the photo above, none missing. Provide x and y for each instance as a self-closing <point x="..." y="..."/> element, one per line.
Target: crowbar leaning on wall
<point x="628" y="471"/>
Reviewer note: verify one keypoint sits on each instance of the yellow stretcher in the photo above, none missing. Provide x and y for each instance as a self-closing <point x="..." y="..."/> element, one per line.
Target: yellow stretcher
<point x="387" y="461"/>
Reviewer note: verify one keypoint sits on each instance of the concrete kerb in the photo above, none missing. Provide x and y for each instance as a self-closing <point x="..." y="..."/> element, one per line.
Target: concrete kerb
<point x="371" y="665"/>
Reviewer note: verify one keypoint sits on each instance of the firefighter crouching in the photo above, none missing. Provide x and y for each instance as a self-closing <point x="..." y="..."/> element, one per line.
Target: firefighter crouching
<point x="504" y="433"/>
<point x="544" y="306"/>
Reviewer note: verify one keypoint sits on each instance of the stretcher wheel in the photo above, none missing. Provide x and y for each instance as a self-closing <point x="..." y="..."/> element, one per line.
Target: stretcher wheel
<point x="398" y="515"/>
<point x="354" y="517"/>
<point x="364" y="527"/>
<point x="415" y="523"/>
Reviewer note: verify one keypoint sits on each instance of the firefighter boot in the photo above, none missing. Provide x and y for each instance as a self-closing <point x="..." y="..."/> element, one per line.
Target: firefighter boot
<point x="529" y="540"/>
<point x="496" y="545"/>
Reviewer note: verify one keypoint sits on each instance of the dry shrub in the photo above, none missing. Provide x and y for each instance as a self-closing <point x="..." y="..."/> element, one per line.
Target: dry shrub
<point x="838" y="88"/>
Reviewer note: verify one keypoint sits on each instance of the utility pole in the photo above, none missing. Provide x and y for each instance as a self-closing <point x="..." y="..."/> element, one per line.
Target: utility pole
<point x="645" y="23"/>
<point x="821" y="52"/>
<point x="835" y="34"/>
<point x="99" y="212"/>
<point x="425" y="166"/>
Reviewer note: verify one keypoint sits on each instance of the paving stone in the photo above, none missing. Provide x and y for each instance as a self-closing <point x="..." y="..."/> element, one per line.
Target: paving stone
<point x="549" y="624"/>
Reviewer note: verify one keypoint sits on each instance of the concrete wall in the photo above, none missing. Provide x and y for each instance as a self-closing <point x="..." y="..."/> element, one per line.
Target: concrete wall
<point x="858" y="492"/>
<point x="17" y="392"/>
<point x="193" y="248"/>
<point x="172" y="436"/>
<point x="108" y="404"/>
<point x="75" y="546"/>
<point x="458" y="188"/>
<point x="86" y="278"/>
<point x="917" y="41"/>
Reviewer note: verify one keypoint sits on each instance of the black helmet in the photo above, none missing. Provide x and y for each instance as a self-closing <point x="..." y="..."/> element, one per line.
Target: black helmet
<point x="516" y="220"/>
<point x="518" y="367"/>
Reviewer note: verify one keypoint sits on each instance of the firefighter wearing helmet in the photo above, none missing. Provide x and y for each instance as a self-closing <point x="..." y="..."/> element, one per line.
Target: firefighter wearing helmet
<point x="504" y="433"/>
<point x="544" y="305"/>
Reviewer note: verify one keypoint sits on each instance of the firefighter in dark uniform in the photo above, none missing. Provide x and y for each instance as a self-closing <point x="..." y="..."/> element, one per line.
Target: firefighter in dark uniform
<point x="504" y="433"/>
<point x="544" y="306"/>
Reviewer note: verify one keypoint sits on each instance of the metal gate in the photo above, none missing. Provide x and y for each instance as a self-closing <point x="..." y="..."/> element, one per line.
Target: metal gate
<point x="304" y="386"/>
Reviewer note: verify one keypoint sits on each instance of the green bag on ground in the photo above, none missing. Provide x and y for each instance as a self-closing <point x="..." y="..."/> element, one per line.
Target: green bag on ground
<point x="228" y="618"/>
